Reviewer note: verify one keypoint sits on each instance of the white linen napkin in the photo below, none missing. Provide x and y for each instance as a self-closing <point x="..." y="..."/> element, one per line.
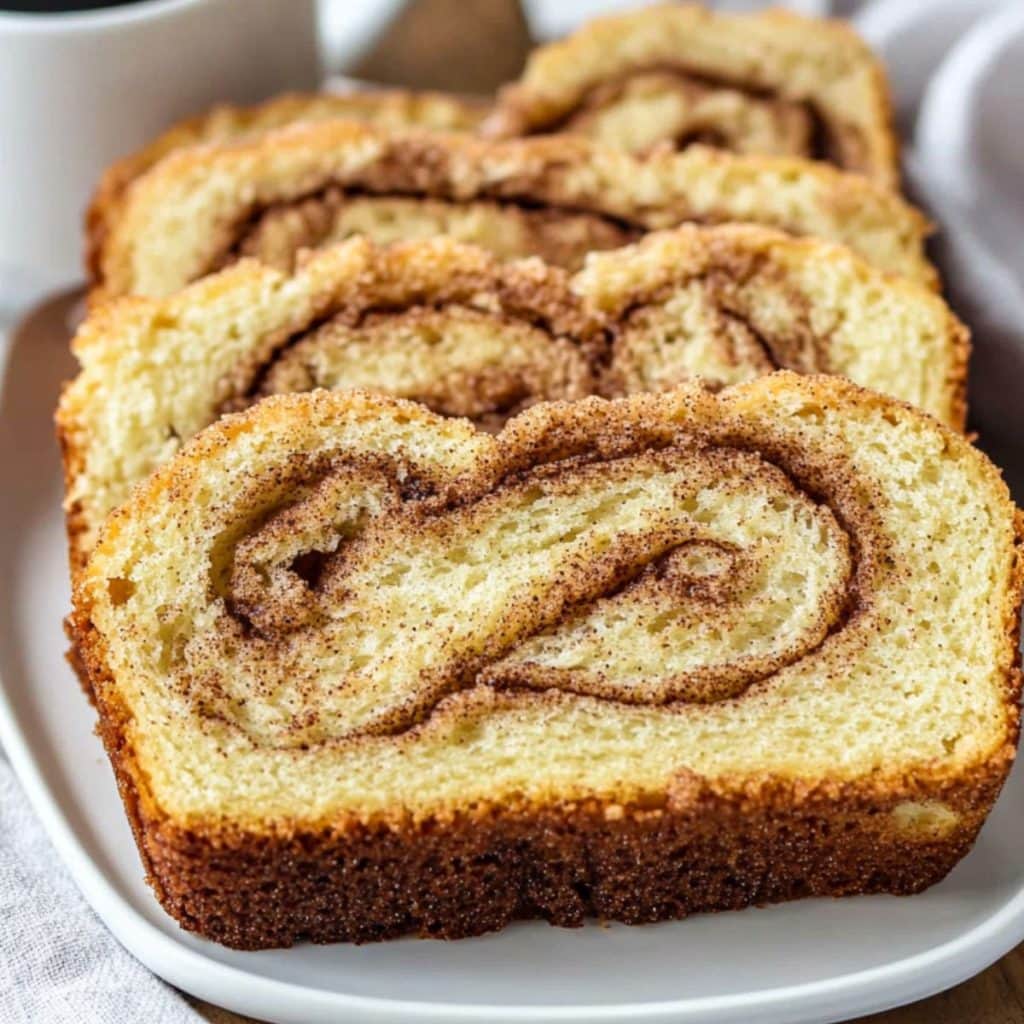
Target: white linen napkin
<point x="958" y="71"/>
<point x="58" y="963"/>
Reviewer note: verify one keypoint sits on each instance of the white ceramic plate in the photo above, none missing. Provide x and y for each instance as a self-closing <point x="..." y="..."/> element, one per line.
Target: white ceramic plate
<point x="816" y="961"/>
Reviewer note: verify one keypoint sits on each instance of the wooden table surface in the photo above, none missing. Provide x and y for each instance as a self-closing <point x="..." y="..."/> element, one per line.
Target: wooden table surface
<point x="473" y="48"/>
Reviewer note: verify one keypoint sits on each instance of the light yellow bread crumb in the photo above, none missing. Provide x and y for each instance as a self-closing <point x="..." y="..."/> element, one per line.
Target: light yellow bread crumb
<point x="451" y="326"/>
<point x="557" y="197"/>
<point x="362" y="670"/>
<point x="388" y="108"/>
<point x="765" y="82"/>
<point x="794" y="578"/>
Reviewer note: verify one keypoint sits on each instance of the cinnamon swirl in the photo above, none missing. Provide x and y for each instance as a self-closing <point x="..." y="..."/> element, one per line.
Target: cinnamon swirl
<point x="390" y="109"/>
<point x="451" y="326"/>
<point x="666" y="76"/>
<point x="554" y="197"/>
<point x="363" y="670"/>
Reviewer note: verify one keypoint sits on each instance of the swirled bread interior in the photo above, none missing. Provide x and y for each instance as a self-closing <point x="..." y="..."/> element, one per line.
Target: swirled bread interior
<point x="454" y="328"/>
<point x="390" y="109"/>
<point x="342" y="617"/>
<point x="768" y="82"/>
<point x="555" y="197"/>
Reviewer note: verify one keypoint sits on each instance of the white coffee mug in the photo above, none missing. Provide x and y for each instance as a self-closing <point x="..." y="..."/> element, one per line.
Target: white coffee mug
<point x="78" y="90"/>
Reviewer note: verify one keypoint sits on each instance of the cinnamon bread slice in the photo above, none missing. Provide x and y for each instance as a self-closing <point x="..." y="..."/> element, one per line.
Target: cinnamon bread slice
<point x="554" y="197"/>
<point x="362" y="670"/>
<point x="388" y="108"/>
<point x="451" y="326"/>
<point x="668" y="75"/>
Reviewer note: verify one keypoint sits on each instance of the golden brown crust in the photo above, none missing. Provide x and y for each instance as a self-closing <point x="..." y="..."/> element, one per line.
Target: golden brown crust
<point x="705" y="847"/>
<point x="393" y="109"/>
<point x="735" y="259"/>
<point x="727" y="72"/>
<point x="186" y="216"/>
<point x="745" y="293"/>
<point x="564" y="237"/>
<point x="698" y="841"/>
<point x="709" y="847"/>
<point x="344" y="288"/>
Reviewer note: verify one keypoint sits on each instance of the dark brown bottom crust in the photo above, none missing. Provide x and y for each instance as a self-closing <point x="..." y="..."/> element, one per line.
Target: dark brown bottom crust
<point x="703" y="848"/>
<point x="452" y="886"/>
<point x="477" y="875"/>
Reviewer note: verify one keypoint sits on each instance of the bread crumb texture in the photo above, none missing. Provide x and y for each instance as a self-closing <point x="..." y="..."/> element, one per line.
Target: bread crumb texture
<point x="352" y="605"/>
<point x="226" y="122"/>
<point x="363" y="669"/>
<point x="455" y="328"/>
<point x="666" y="76"/>
<point x="557" y="197"/>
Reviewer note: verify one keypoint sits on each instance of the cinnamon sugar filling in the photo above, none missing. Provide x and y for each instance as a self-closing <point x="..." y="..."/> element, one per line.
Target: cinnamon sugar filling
<point x="453" y="358"/>
<point x="703" y="328"/>
<point x="509" y="229"/>
<point x="487" y="366"/>
<point x="667" y="105"/>
<point x="350" y="595"/>
<point x="458" y="361"/>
